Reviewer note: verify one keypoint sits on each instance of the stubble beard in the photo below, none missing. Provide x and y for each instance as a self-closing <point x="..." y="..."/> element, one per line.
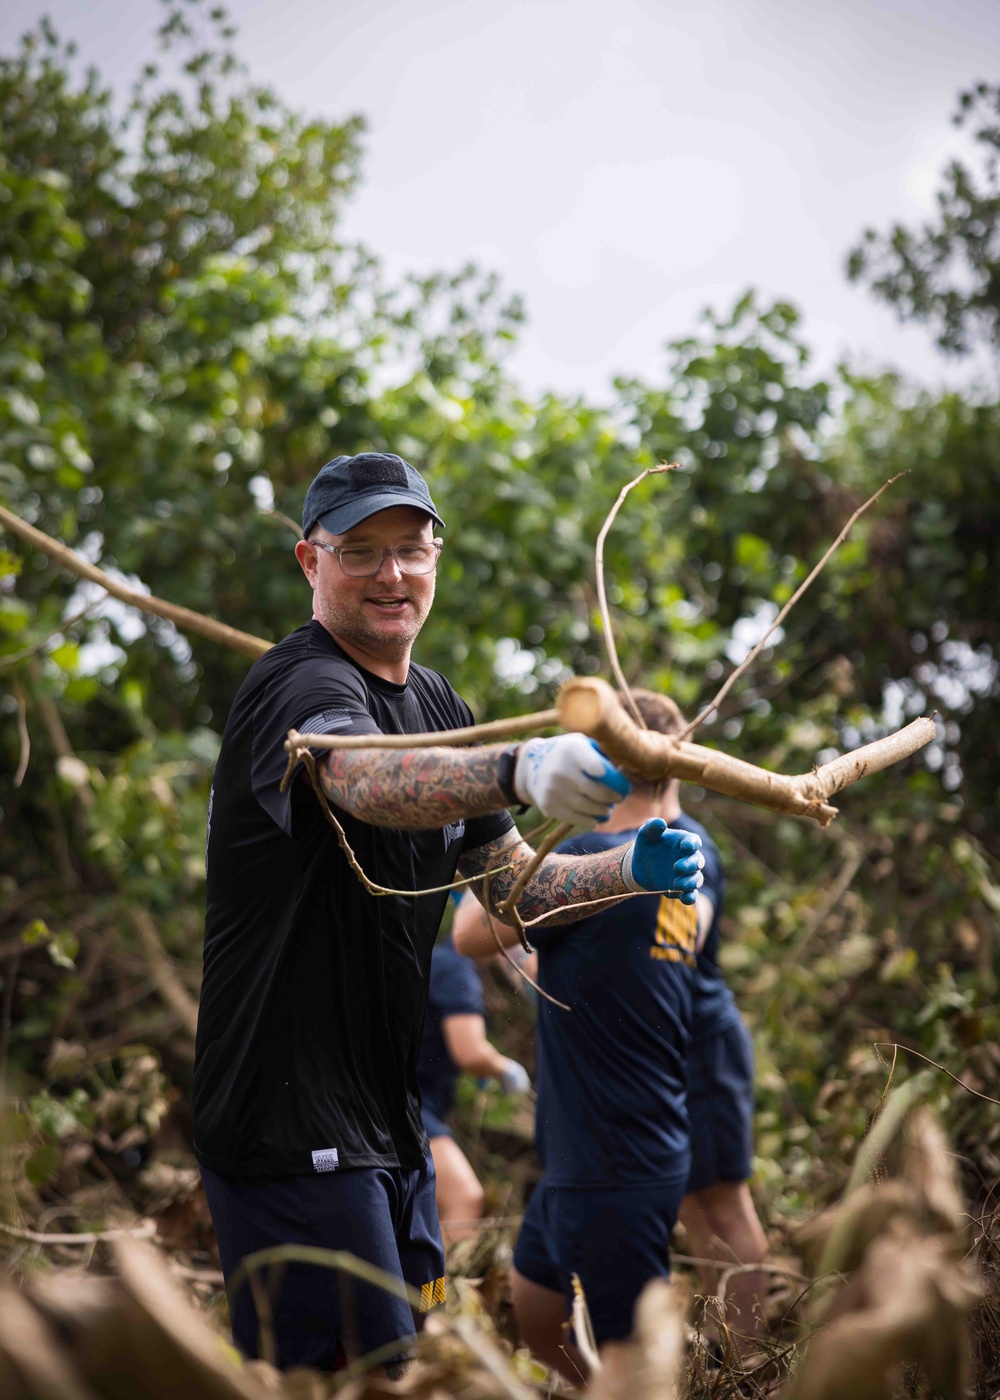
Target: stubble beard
<point x="348" y="620"/>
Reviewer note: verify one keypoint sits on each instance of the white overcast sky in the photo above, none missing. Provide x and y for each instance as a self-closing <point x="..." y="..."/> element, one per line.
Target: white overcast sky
<point x="621" y="163"/>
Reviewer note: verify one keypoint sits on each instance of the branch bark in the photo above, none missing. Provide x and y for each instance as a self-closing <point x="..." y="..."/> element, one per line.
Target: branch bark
<point x="171" y="988"/>
<point x="591" y="707"/>
<point x="185" y="618"/>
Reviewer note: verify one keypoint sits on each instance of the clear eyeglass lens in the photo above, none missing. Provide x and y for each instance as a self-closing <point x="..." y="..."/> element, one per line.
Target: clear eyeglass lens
<point x="416" y="559"/>
<point x="360" y="561"/>
<point x="412" y="559"/>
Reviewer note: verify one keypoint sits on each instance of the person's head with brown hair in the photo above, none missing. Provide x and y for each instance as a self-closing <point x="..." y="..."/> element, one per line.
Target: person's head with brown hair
<point x="663" y="716"/>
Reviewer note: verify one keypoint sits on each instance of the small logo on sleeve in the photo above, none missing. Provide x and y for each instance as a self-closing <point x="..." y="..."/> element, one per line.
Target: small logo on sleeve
<point x="326" y="722"/>
<point x="326" y="1159"/>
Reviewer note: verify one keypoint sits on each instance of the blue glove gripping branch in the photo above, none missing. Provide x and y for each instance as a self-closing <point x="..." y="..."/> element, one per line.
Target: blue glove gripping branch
<point x="664" y="858"/>
<point x="610" y="777"/>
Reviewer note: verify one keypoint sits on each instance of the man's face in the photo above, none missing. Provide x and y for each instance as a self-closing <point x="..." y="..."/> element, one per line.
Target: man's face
<point x="381" y="615"/>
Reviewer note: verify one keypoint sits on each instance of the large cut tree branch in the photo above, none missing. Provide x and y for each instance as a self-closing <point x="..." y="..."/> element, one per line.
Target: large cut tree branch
<point x="590" y="706"/>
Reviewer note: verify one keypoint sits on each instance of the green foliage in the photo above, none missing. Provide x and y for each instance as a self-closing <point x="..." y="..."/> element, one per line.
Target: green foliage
<point x="947" y="274"/>
<point x="184" y="341"/>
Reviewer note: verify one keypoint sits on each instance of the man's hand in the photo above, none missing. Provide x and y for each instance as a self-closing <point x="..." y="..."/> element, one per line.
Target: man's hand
<point x="664" y="859"/>
<point x="515" y="1078"/>
<point x="568" y="778"/>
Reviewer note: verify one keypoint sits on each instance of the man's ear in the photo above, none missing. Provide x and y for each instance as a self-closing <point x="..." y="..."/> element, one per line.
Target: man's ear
<point x="305" y="553"/>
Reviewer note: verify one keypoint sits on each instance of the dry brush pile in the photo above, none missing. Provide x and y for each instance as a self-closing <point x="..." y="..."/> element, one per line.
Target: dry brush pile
<point x="880" y="1304"/>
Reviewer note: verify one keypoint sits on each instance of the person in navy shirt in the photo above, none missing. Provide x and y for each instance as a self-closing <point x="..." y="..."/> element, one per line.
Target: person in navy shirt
<point x="613" y="1128"/>
<point x="454" y="1042"/>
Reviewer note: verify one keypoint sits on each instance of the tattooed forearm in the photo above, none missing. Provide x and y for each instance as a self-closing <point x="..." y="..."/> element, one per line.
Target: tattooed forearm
<point x="560" y="882"/>
<point x="415" y="788"/>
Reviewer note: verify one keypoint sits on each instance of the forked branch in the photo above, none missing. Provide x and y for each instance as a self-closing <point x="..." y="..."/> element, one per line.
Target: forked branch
<point x="591" y="707"/>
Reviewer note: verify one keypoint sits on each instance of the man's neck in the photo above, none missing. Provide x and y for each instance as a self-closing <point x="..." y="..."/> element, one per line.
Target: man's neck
<point x="636" y="809"/>
<point x="394" y="671"/>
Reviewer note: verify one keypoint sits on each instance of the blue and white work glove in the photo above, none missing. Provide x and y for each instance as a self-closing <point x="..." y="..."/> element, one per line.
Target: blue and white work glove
<point x="568" y="778"/>
<point x="664" y="859"/>
<point x="515" y="1079"/>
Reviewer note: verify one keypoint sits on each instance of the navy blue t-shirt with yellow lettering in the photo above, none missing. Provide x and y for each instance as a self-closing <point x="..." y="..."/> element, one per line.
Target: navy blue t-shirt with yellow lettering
<point x="612" y="1070"/>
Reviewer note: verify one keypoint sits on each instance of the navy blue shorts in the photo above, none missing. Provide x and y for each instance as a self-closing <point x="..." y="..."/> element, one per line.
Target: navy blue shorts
<point x="322" y="1317"/>
<point x="615" y="1240"/>
<point x="720" y="1107"/>
<point x="434" y="1124"/>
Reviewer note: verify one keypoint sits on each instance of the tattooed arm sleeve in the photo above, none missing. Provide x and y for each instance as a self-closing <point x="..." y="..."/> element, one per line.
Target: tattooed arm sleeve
<point x="560" y="882"/>
<point x="414" y="788"/>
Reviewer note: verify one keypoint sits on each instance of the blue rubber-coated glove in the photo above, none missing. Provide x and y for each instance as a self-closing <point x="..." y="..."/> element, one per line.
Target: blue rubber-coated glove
<point x="664" y="859"/>
<point x="568" y="778"/>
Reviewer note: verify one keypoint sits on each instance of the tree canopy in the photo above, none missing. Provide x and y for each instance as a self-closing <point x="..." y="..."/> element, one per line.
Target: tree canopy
<point x="947" y="273"/>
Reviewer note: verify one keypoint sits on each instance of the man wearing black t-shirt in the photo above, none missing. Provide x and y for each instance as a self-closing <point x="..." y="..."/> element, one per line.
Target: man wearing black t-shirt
<point x="307" y="1111"/>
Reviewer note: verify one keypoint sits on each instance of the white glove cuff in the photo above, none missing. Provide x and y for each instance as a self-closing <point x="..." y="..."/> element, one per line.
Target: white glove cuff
<point x="627" y="879"/>
<point x="518" y="773"/>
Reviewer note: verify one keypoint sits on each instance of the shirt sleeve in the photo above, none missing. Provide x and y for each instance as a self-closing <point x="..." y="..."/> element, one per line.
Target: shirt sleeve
<point x="325" y="697"/>
<point x="456" y="989"/>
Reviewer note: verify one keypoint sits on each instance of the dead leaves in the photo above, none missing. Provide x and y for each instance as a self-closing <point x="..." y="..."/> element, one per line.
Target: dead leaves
<point x="893" y="1291"/>
<point x="908" y="1288"/>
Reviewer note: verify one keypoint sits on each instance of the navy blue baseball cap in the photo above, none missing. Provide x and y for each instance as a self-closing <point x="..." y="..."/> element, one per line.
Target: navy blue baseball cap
<point x="350" y="489"/>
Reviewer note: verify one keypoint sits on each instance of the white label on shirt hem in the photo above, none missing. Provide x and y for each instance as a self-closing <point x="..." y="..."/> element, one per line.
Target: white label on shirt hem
<point x="326" y="1159"/>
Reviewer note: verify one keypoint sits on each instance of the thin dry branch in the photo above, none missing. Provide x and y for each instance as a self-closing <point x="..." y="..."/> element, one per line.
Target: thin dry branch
<point x="909" y="1050"/>
<point x="67" y="763"/>
<point x="748" y="660"/>
<point x="583" y="1329"/>
<point x="602" y="596"/>
<point x="12" y="658"/>
<point x="511" y="962"/>
<point x="588" y="904"/>
<point x="297" y="745"/>
<point x="545" y="847"/>
<point x="309" y="764"/>
<point x="22" y="733"/>
<point x="185" y="618"/>
<point x="171" y="988"/>
<point x="145" y="1231"/>
<point x="484" y="900"/>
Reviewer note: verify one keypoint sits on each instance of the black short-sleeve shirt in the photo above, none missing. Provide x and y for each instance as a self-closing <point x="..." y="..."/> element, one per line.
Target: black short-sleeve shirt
<point x="314" y="991"/>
